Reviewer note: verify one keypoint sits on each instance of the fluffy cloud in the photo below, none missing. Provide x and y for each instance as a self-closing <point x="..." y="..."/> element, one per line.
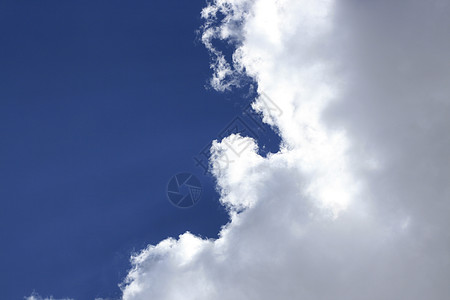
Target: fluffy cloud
<point x="356" y="204"/>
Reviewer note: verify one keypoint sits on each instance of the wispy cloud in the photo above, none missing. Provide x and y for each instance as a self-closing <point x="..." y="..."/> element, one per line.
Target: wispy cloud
<point x="36" y="296"/>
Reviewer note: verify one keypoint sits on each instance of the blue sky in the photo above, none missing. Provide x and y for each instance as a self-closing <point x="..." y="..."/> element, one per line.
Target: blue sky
<point x="101" y="102"/>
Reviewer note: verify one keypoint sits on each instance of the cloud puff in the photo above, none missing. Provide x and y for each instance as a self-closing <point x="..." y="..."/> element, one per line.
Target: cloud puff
<point x="356" y="203"/>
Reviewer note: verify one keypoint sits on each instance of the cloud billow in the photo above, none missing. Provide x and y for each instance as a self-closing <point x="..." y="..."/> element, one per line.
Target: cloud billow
<point x="356" y="203"/>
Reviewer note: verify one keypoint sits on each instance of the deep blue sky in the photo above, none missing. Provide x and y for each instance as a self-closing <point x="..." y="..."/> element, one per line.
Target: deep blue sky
<point x="101" y="102"/>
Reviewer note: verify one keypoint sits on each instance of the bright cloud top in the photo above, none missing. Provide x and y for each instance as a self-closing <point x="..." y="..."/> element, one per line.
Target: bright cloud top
<point x="356" y="203"/>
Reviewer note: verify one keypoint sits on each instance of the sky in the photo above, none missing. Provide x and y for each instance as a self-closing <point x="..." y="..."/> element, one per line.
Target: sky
<point x="342" y="193"/>
<point x="101" y="103"/>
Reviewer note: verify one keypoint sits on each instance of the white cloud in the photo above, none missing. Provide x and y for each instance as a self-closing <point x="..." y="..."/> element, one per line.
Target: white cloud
<point x="36" y="296"/>
<point x="356" y="204"/>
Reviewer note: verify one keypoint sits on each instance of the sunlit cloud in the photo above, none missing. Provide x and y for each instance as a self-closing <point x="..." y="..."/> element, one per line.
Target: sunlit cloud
<point x="355" y="204"/>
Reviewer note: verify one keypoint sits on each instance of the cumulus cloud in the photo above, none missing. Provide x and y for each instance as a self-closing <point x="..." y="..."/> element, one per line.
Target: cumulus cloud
<point x="356" y="203"/>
